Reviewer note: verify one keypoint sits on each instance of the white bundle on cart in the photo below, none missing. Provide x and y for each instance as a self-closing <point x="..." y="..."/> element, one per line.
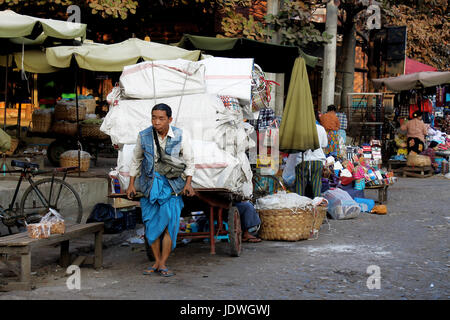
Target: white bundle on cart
<point x="218" y="134"/>
<point x="163" y="78"/>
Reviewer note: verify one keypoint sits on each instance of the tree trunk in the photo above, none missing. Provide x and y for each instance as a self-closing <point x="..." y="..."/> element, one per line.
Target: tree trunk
<point x="329" y="61"/>
<point x="348" y="70"/>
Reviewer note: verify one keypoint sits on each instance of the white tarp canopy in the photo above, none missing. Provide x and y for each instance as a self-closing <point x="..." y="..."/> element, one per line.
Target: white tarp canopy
<point x="413" y="81"/>
<point x="114" y="57"/>
<point x="17" y="28"/>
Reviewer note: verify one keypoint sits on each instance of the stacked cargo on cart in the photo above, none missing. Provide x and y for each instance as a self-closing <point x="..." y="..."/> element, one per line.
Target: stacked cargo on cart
<point x="205" y="99"/>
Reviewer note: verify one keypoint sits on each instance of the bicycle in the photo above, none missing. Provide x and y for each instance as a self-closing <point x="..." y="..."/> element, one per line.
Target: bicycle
<point x="40" y="196"/>
<point x="264" y="185"/>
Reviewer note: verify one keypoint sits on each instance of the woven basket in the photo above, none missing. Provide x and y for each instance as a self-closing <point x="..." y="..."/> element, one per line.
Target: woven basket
<point x="91" y="130"/>
<point x="66" y="128"/>
<point x="290" y="225"/>
<point x="90" y="105"/>
<point x="69" y="161"/>
<point x="41" y="122"/>
<point x="63" y="112"/>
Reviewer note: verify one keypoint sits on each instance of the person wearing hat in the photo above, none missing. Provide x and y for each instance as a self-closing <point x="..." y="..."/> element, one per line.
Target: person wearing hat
<point x="416" y="130"/>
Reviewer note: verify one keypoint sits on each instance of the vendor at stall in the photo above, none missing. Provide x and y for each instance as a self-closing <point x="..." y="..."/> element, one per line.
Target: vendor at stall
<point x="416" y="130"/>
<point x="162" y="183"/>
<point x="331" y="124"/>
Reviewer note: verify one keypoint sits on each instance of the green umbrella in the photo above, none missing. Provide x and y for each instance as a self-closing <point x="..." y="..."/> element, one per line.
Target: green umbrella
<point x="298" y="130"/>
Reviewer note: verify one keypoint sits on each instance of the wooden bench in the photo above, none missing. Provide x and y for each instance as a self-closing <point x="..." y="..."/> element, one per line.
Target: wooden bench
<point x="382" y="192"/>
<point x="396" y="166"/>
<point x="21" y="244"/>
<point x="418" y="172"/>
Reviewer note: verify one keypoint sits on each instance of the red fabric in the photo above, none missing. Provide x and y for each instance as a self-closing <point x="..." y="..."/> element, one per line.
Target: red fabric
<point x="346" y="180"/>
<point x="427" y="106"/>
<point x="413" y="66"/>
<point x="412" y="108"/>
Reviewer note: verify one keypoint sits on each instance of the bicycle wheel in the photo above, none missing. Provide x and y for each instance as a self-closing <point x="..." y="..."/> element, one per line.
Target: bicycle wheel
<point x="265" y="185"/>
<point x="63" y="198"/>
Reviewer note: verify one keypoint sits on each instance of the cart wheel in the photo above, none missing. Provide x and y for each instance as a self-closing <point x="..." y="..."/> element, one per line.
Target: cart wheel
<point x="234" y="232"/>
<point x="56" y="148"/>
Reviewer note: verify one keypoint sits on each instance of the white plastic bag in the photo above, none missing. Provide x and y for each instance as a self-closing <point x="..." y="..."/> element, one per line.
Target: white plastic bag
<point x="341" y="205"/>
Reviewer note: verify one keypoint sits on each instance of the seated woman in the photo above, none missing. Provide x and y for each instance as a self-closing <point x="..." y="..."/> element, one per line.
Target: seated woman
<point x="431" y="153"/>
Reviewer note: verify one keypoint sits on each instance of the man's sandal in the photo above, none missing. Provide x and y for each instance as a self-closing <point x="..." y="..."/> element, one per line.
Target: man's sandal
<point x="150" y="271"/>
<point x="252" y="240"/>
<point x="165" y="272"/>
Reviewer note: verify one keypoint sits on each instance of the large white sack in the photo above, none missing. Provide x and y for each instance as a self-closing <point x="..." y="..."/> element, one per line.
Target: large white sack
<point x="202" y="115"/>
<point x="167" y="78"/>
<point x="229" y="77"/>
<point x="125" y="154"/>
<point x="214" y="168"/>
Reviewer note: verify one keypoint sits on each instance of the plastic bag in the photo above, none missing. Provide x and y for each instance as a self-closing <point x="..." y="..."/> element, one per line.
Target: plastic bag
<point x="341" y="205"/>
<point x="283" y="200"/>
<point x="39" y="230"/>
<point x="56" y="221"/>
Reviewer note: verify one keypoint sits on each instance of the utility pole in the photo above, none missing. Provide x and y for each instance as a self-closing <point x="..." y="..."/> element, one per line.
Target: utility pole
<point x="329" y="61"/>
<point x="273" y="7"/>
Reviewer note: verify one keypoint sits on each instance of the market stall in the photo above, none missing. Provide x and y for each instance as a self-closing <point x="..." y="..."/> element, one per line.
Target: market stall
<point x="429" y="93"/>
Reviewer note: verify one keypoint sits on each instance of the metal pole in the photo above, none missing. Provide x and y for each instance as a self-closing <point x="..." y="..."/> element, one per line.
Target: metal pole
<point x="78" y="123"/>
<point x="329" y="63"/>
<point x="6" y="90"/>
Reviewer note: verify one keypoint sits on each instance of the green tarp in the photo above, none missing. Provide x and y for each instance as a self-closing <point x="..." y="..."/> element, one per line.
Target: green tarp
<point x="113" y="57"/>
<point x="298" y="125"/>
<point x="270" y="57"/>
<point x="18" y="28"/>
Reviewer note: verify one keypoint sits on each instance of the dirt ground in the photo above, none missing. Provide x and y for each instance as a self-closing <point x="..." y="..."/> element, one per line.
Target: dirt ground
<point x="409" y="245"/>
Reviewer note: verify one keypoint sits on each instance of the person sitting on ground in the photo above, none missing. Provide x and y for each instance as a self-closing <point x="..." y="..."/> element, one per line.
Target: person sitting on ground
<point x="431" y="153"/>
<point x="249" y="220"/>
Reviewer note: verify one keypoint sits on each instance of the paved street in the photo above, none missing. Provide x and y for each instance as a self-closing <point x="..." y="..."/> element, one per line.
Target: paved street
<point x="409" y="245"/>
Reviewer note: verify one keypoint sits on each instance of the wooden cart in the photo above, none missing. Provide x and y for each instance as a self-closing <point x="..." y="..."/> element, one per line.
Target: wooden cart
<point x="217" y="205"/>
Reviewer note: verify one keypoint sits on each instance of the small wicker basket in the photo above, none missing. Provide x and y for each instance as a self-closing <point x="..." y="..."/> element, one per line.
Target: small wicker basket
<point x="42" y="122"/>
<point x="70" y="159"/>
<point x="92" y="130"/>
<point x="290" y="224"/>
<point x="67" y="112"/>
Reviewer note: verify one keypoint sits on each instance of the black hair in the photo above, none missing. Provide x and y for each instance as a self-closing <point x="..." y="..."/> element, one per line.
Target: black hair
<point x="163" y="107"/>
<point x="331" y="107"/>
<point x="417" y="114"/>
<point x="433" y="144"/>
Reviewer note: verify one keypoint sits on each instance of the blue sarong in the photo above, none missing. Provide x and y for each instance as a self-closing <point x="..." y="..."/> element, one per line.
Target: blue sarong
<point x="160" y="210"/>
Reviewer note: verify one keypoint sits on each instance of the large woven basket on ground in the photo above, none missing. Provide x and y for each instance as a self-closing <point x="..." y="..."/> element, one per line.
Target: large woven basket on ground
<point x="65" y="112"/>
<point x="64" y="127"/>
<point x="42" y="122"/>
<point x="290" y="224"/>
<point x="92" y="130"/>
<point x="70" y="159"/>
